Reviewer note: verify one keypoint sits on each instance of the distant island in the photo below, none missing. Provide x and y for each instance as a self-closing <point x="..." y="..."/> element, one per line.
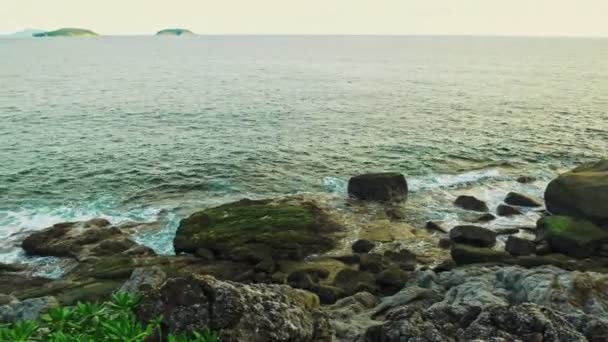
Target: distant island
<point x="27" y="33"/>
<point x="174" y="32"/>
<point x="67" y="32"/>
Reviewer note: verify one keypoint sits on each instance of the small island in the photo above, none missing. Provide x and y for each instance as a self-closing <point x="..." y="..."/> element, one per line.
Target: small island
<point x="67" y="32"/>
<point x="174" y="32"/>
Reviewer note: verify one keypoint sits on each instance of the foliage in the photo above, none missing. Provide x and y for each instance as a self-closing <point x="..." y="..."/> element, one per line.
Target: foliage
<point x="113" y="320"/>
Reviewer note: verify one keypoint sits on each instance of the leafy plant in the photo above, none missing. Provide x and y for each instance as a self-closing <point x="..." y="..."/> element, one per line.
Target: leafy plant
<point x="114" y="320"/>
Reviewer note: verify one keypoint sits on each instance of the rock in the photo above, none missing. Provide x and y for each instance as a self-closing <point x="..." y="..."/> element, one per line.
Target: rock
<point x="244" y="313"/>
<point x="519" y="246"/>
<point x="252" y="231"/>
<point x="12" y="267"/>
<point x="79" y="240"/>
<point x="574" y="237"/>
<point x="353" y="281"/>
<point x="267" y="266"/>
<point x="363" y="246"/>
<point x="471" y="203"/>
<point x="497" y="303"/>
<point x="383" y="187"/>
<point x="205" y="254"/>
<point x="328" y="294"/>
<point x="402" y="259"/>
<point x="514" y="198"/>
<point x="445" y="266"/>
<point x="507" y="210"/>
<point x="394" y="213"/>
<point x="144" y="278"/>
<point x="487" y="217"/>
<point x="463" y="255"/>
<point x="506" y="231"/>
<point x="348" y="315"/>
<point x="473" y="235"/>
<point x="302" y="280"/>
<point x="392" y="279"/>
<point x="582" y="192"/>
<point x="430" y="225"/>
<point x="348" y="259"/>
<point x="371" y="262"/>
<point x="445" y="243"/>
<point x="543" y="248"/>
<point x="29" y="309"/>
<point x="526" y="179"/>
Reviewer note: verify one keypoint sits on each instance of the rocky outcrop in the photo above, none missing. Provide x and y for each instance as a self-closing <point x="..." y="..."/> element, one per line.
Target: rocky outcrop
<point x="471" y="203"/>
<point x="384" y="187"/>
<point x="473" y="235"/>
<point x="582" y="192"/>
<point x="489" y="303"/>
<point x="575" y="237"/>
<point x="94" y="238"/>
<point x="28" y="309"/>
<point x="252" y="231"/>
<point x="514" y="198"/>
<point x="243" y="313"/>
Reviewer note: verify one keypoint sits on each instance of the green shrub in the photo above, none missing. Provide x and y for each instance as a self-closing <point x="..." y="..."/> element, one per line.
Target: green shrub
<point x="114" y="320"/>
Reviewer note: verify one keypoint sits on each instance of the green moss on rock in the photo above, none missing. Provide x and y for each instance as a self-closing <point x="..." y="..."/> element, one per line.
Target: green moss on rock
<point x="256" y="230"/>
<point x="571" y="236"/>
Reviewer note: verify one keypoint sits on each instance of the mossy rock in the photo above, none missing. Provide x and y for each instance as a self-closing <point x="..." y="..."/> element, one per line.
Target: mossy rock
<point x="575" y="237"/>
<point x="465" y="254"/>
<point x="254" y="230"/>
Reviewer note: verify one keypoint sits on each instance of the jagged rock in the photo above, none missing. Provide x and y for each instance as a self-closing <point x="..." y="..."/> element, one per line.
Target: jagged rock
<point x="144" y="278"/>
<point x="582" y="192"/>
<point x="348" y="315"/>
<point x="244" y="313"/>
<point x="514" y="198"/>
<point x="252" y="231"/>
<point x="473" y="235"/>
<point x="575" y="237"/>
<point x="507" y="210"/>
<point x="384" y="187"/>
<point x="471" y="203"/>
<point x="28" y="309"/>
<point x="519" y="246"/>
<point x="80" y="240"/>
<point x="363" y="246"/>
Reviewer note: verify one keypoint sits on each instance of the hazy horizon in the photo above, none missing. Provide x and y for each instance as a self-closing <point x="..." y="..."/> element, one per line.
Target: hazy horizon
<point x="585" y="18"/>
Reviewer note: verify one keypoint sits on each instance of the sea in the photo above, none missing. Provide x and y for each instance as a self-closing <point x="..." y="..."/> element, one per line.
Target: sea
<point x="150" y="129"/>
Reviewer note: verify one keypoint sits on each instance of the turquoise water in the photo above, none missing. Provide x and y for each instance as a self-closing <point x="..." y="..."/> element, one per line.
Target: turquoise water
<point x="130" y="128"/>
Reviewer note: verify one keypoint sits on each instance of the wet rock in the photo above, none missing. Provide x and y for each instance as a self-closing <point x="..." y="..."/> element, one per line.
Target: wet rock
<point x="507" y="210"/>
<point x="506" y="231"/>
<point x="12" y="267"/>
<point x="514" y="198"/>
<point x="543" y="248"/>
<point x="29" y="309"/>
<point x="444" y="266"/>
<point x="384" y="187"/>
<point x="79" y="240"/>
<point x="431" y="225"/>
<point x="574" y="237"/>
<point x="471" y="203"/>
<point x="445" y="243"/>
<point x="353" y="281"/>
<point x="348" y="315"/>
<point x="582" y="192"/>
<point x="205" y="254"/>
<point x="363" y="246"/>
<point x="144" y="278"/>
<point x="252" y="231"/>
<point x="392" y="279"/>
<point x="302" y="280"/>
<point x="244" y="313"/>
<point x="348" y="259"/>
<point x="519" y="246"/>
<point x="267" y="266"/>
<point x="402" y="259"/>
<point x="394" y="213"/>
<point x="371" y="262"/>
<point x="526" y="179"/>
<point x="487" y="217"/>
<point x="473" y="235"/>
<point x="463" y="255"/>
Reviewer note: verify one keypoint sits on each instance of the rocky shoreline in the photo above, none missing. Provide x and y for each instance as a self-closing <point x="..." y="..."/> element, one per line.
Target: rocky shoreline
<point x="285" y="269"/>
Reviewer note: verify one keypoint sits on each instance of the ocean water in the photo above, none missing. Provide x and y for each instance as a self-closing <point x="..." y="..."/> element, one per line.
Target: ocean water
<point x="150" y="128"/>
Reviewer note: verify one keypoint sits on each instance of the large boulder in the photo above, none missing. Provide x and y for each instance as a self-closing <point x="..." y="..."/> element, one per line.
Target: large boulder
<point x="471" y="203"/>
<point x="575" y="237"/>
<point x="244" y="313"/>
<point x="384" y="187"/>
<point x="252" y="231"/>
<point x="473" y="235"/>
<point x="582" y="192"/>
<point x="79" y="240"/>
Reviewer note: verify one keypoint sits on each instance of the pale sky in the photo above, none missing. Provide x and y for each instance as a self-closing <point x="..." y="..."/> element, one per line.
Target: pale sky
<point x="451" y="17"/>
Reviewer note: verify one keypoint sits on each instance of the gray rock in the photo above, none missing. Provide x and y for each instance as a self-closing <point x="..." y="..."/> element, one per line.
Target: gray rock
<point x="144" y="278"/>
<point x="28" y="309"/>
<point x="244" y="313"/>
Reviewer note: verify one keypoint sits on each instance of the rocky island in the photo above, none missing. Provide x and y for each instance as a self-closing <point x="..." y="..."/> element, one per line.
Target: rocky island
<point x="293" y="269"/>
<point x="174" y="32"/>
<point x="67" y="32"/>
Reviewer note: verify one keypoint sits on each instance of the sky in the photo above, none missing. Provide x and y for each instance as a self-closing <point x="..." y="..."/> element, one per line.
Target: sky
<point x="409" y="17"/>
